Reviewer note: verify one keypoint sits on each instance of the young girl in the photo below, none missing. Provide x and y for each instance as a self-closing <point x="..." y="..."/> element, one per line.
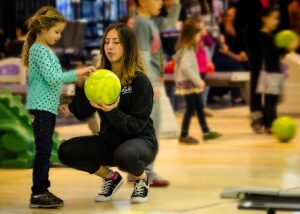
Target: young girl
<point x="271" y="77"/>
<point x="188" y="81"/>
<point x="45" y="79"/>
<point x="127" y="138"/>
<point x="202" y="52"/>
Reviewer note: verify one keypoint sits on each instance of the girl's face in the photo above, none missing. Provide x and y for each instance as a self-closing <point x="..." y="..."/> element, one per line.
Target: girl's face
<point x="51" y="36"/>
<point x="113" y="47"/>
<point x="130" y="22"/>
<point x="271" y="21"/>
<point x="202" y="27"/>
<point x="153" y="7"/>
<point x="198" y="37"/>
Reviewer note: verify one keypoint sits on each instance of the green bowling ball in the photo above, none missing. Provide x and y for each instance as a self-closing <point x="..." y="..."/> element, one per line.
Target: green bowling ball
<point x="287" y="39"/>
<point x="284" y="129"/>
<point x="102" y="87"/>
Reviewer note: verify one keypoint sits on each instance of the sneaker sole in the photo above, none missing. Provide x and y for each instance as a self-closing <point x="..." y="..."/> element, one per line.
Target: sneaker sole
<point x="112" y="195"/>
<point x="212" y="138"/>
<point x="196" y="143"/>
<point x="45" y="206"/>
<point x="139" y="200"/>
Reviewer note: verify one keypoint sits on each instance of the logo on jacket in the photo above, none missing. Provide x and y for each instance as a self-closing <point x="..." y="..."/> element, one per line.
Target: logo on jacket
<point x="127" y="90"/>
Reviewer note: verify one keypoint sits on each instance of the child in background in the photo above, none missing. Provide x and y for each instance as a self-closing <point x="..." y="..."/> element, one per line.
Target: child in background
<point x="189" y="83"/>
<point x="127" y="20"/>
<point x="45" y="79"/>
<point x="150" y="47"/>
<point x="271" y="77"/>
<point x="203" y="60"/>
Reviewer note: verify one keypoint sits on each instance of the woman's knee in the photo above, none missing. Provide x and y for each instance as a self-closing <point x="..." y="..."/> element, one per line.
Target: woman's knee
<point x="129" y="161"/>
<point x="64" y="152"/>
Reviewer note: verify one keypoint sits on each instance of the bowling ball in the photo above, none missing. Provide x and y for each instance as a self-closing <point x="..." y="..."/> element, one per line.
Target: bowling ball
<point x="284" y="129"/>
<point x="210" y="67"/>
<point x="169" y="67"/>
<point x="287" y="39"/>
<point x="102" y="87"/>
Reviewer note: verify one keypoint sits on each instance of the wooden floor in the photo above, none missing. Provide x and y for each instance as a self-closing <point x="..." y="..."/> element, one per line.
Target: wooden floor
<point x="197" y="173"/>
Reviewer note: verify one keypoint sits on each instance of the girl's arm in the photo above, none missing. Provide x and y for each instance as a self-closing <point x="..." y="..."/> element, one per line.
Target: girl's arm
<point x="187" y="68"/>
<point x="51" y="71"/>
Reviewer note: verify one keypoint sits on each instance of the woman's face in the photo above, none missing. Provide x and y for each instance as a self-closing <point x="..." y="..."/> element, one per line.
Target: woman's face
<point x="230" y="14"/>
<point x="113" y="47"/>
<point x="272" y="20"/>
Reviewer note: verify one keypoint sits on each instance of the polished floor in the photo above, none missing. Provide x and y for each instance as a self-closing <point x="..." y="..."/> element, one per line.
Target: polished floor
<point x="197" y="173"/>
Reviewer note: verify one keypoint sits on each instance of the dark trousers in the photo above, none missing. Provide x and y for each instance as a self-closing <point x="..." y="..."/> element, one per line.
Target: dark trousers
<point x="193" y="102"/>
<point x="90" y="152"/>
<point x="43" y="128"/>
<point x="255" y="62"/>
<point x="270" y="109"/>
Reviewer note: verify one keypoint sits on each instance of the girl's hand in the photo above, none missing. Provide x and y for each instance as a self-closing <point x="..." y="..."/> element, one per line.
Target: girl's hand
<point x="156" y="93"/>
<point x="106" y="108"/>
<point x="201" y="84"/>
<point x="160" y="79"/>
<point x="64" y="110"/>
<point x="80" y="81"/>
<point x="85" y="70"/>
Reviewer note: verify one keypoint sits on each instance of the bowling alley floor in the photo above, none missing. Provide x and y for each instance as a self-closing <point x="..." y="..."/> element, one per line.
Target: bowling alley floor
<point x="197" y="173"/>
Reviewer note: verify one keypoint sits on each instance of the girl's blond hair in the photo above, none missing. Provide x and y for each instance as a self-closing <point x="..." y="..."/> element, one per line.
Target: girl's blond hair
<point x="189" y="29"/>
<point x="44" y="19"/>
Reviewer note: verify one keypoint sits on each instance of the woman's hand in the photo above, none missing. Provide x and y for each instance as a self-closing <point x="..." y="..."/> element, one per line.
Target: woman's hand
<point x="224" y="49"/>
<point x="106" y="108"/>
<point x="244" y="56"/>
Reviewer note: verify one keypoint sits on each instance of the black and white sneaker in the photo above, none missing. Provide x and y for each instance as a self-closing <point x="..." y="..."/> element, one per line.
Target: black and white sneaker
<point x="140" y="191"/>
<point x="109" y="187"/>
<point x="45" y="200"/>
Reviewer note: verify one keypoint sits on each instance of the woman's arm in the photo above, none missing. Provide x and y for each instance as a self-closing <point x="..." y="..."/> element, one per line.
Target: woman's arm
<point x="140" y="110"/>
<point x="80" y="105"/>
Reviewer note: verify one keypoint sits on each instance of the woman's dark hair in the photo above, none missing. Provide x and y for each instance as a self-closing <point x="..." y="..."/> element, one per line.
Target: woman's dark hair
<point x="124" y="19"/>
<point x="132" y="60"/>
<point x="269" y="10"/>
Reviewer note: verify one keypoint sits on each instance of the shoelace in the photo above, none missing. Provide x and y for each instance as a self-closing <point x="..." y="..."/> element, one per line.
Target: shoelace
<point x="139" y="187"/>
<point x="106" y="186"/>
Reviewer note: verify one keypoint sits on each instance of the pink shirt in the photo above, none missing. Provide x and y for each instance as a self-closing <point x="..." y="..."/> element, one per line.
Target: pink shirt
<point x="201" y="54"/>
